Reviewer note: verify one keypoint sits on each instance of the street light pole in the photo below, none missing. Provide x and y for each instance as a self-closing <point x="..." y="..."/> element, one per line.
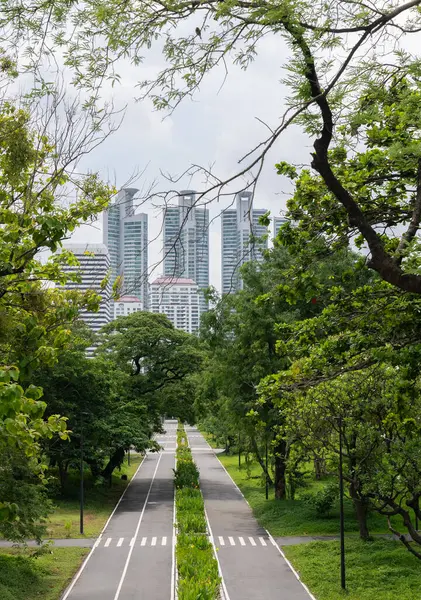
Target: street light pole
<point x="81" y="496"/>
<point x="341" y="508"/>
<point x="267" y="480"/>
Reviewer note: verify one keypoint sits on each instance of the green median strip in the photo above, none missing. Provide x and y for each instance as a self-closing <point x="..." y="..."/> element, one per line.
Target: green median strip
<point x="197" y="568"/>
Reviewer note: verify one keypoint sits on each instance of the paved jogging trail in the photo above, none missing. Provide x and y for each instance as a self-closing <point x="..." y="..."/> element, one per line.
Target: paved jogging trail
<point x="133" y="558"/>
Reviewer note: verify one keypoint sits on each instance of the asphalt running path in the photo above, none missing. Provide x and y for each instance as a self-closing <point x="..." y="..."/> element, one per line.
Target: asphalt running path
<point x="133" y="556"/>
<point x="252" y="566"/>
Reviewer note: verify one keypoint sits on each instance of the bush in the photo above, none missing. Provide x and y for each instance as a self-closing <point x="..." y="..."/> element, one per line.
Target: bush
<point x="198" y="577"/>
<point x="323" y="500"/>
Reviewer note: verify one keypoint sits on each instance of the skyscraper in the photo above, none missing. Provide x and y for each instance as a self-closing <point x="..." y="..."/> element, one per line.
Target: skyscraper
<point x="277" y="224"/>
<point x="241" y="239"/>
<point x="177" y="298"/>
<point x="126" y="237"/>
<point x="186" y="242"/>
<point x="94" y="266"/>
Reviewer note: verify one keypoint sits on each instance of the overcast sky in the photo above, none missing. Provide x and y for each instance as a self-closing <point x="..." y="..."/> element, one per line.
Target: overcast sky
<point x="216" y="128"/>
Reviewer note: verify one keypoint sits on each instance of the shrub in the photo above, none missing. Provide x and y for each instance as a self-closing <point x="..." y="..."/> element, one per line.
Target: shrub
<point x="323" y="500"/>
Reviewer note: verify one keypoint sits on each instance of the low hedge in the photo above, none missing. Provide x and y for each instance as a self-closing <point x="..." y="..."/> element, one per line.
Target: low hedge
<point x="198" y="576"/>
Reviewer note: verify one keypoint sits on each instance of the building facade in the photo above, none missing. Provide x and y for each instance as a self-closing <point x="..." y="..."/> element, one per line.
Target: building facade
<point x="178" y="298"/>
<point x="126" y="305"/>
<point x="277" y="224"/>
<point x="94" y="266"/>
<point x="186" y="243"/>
<point x="126" y="237"/>
<point x="243" y="239"/>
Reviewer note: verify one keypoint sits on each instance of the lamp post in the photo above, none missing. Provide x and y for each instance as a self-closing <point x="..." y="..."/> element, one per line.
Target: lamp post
<point x="341" y="508"/>
<point x="81" y="495"/>
<point x="267" y="480"/>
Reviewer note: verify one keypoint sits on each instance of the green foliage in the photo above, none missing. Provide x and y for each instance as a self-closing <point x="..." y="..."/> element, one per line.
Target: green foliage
<point x="198" y="575"/>
<point x="25" y="575"/>
<point x="323" y="500"/>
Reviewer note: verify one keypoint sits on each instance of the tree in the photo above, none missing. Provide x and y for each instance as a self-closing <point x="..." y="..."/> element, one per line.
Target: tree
<point x="376" y="411"/>
<point x="34" y="317"/>
<point x="245" y="345"/>
<point x="155" y="360"/>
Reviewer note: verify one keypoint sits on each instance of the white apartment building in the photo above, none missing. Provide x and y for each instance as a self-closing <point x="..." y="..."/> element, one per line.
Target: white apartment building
<point x="93" y="268"/>
<point x="178" y="298"/>
<point x="126" y="305"/>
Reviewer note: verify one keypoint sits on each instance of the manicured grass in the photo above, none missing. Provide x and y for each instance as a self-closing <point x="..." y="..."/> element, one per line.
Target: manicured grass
<point x="99" y="502"/>
<point x="293" y="517"/>
<point x="43" y="578"/>
<point x="378" y="570"/>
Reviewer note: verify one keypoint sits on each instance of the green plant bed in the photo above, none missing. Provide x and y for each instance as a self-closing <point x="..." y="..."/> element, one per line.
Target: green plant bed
<point x="295" y="517"/>
<point x="99" y="502"/>
<point x="378" y="570"/>
<point x="197" y="568"/>
<point x="198" y="576"/>
<point x="43" y="578"/>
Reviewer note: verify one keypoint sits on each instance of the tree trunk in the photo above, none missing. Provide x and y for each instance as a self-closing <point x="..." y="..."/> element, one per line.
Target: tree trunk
<point x="260" y="459"/>
<point x="319" y="467"/>
<point x="280" y="468"/>
<point x="361" y="511"/>
<point x="63" y="472"/>
<point x="116" y="460"/>
<point x="95" y="468"/>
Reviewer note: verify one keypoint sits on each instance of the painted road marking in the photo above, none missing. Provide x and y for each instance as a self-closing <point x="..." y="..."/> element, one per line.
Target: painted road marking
<point x="273" y="541"/>
<point x="163" y="541"/>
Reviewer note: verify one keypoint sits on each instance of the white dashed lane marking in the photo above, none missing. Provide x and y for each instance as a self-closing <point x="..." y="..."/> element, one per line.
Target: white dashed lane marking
<point x="159" y="541"/>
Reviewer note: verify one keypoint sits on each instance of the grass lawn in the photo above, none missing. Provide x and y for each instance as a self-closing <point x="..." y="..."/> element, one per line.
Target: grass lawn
<point x="379" y="570"/>
<point x="99" y="502"/>
<point x="293" y="517"/>
<point x="43" y="578"/>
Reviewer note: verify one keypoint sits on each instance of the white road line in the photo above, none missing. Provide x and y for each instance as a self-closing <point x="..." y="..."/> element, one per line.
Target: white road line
<point x="269" y="535"/>
<point x="224" y="591"/>
<point x="262" y="541"/>
<point x="132" y="542"/>
<point x="123" y="575"/>
<point x="164" y="541"/>
<point x="153" y="543"/>
<point x="242" y="542"/>
<point x="273" y="541"/>
<point x="85" y="562"/>
<point x="173" y="540"/>
<point x="231" y="541"/>
<point x="252" y="542"/>
<point x="221" y="541"/>
<point x="143" y="542"/>
<point x="108" y="542"/>
<point x="120" y="541"/>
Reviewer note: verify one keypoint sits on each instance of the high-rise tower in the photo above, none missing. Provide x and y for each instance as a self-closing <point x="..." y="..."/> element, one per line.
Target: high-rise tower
<point x="243" y="239"/>
<point x="186" y="242"/>
<point x="126" y="237"/>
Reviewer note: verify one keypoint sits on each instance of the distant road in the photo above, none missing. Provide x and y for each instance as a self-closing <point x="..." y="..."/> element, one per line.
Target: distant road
<point x="133" y="556"/>
<point x="252" y="565"/>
